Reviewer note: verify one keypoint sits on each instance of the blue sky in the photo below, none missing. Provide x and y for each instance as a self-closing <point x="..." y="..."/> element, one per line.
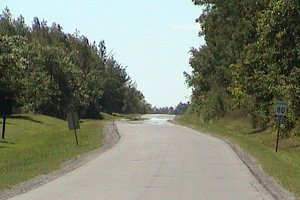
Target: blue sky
<point x="151" y="37"/>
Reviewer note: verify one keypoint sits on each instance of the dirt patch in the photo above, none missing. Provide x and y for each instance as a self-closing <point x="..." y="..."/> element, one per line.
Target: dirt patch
<point x="111" y="137"/>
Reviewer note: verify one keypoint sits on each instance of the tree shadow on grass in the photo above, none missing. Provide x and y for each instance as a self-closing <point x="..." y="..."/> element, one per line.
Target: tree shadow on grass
<point x="294" y="146"/>
<point x="7" y="123"/>
<point x="5" y="144"/>
<point x="254" y="131"/>
<point x="24" y="118"/>
<point x="98" y="117"/>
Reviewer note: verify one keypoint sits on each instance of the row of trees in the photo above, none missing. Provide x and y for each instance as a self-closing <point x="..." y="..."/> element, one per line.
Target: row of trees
<point x="44" y="70"/>
<point x="178" y="110"/>
<point x="250" y="59"/>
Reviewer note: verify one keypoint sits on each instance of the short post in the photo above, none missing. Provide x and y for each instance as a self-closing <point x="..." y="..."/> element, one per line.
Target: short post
<point x="74" y="128"/>
<point x="278" y="130"/>
<point x="3" y="125"/>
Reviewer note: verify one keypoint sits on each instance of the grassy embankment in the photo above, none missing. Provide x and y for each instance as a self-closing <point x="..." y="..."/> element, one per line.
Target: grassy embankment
<point x="37" y="144"/>
<point x="284" y="165"/>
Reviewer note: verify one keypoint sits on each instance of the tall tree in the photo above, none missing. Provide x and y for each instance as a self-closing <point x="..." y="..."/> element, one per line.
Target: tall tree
<point x="227" y="26"/>
<point x="44" y="70"/>
<point x="11" y="68"/>
<point x="269" y="68"/>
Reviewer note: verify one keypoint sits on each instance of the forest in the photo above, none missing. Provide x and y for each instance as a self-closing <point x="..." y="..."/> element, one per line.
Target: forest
<point x="250" y="59"/>
<point x="45" y="70"/>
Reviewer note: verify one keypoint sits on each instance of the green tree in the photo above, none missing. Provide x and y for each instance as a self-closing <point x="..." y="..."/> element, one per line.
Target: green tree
<point x="134" y="100"/>
<point x="11" y="68"/>
<point x="227" y="26"/>
<point x="115" y="83"/>
<point x="48" y="71"/>
<point x="269" y="68"/>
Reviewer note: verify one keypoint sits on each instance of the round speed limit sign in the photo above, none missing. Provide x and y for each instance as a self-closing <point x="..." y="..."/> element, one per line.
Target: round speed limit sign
<point x="280" y="109"/>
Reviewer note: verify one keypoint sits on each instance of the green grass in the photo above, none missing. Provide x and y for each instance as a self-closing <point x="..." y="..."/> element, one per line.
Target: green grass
<point x="284" y="165"/>
<point x="37" y="144"/>
<point x="130" y="117"/>
<point x="116" y="116"/>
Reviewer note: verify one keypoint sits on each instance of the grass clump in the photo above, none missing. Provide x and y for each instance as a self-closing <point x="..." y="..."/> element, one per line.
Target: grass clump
<point x="284" y="165"/>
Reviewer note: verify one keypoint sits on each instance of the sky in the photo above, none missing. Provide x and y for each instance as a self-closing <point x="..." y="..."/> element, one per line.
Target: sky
<point x="152" y="38"/>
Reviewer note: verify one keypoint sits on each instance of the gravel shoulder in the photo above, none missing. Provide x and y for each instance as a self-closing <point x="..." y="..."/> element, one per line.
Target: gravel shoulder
<point x="111" y="137"/>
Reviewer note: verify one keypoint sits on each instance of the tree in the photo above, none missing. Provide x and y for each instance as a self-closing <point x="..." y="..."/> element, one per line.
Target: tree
<point x="134" y="100"/>
<point x="44" y="70"/>
<point x="227" y="26"/>
<point x="115" y="82"/>
<point x="269" y="68"/>
<point x="250" y="59"/>
<point x="11" y="68"/>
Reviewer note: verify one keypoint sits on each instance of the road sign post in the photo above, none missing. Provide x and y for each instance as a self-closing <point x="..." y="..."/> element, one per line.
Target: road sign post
<point x="5" y="110"/>
<point x="3" y="125"/>
<point x="278" y="130"/>
<point x="280" y="111"/>
<point x="73" y="123"/>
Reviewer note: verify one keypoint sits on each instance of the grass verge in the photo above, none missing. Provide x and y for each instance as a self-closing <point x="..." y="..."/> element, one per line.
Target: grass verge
<point x="284" y="165"/>
<point x="130" y="117"/>
<point x="37" y="144"/>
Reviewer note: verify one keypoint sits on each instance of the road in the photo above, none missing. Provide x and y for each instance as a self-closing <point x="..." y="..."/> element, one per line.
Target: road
<point x="159" y="161"/>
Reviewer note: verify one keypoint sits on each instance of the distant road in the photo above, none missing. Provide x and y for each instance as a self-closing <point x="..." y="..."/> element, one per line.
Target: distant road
<point x="159" y="161"/>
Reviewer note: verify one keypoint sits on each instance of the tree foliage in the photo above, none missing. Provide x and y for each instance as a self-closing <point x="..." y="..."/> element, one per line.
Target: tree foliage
<point x="179" y="109"/>
<point x="44" y="70"/>
<point x="250" y="59"/>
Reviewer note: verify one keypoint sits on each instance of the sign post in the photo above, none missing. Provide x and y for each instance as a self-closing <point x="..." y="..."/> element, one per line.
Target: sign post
<point x="3" y="126"/>
<point x="73" y="123"/>
<point x="278" y="129"/>
<point x="280" y="114"/>
<point x="5" y="110"/>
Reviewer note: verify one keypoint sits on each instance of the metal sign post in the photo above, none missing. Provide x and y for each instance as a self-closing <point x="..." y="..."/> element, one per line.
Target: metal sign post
<point x="3" y="125"/>
<point x="278" y="130"/>
<point x="73" y="123"/>
<point x="280" y="114"/>
<point x="5" y="110"/>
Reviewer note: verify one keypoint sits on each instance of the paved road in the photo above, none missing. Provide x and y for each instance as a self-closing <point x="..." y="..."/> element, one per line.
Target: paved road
<point x="158" y="161"/>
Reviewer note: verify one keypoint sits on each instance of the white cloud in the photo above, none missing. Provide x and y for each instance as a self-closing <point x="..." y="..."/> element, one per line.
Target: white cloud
<point x="186" y="27"/>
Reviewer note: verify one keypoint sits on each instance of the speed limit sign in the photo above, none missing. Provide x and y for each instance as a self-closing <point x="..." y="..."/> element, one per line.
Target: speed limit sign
<point x="280" y="109"/>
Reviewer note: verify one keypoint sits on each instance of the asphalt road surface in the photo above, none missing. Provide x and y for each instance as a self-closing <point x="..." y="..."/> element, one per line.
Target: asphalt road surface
<point x="157" y="160"/>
